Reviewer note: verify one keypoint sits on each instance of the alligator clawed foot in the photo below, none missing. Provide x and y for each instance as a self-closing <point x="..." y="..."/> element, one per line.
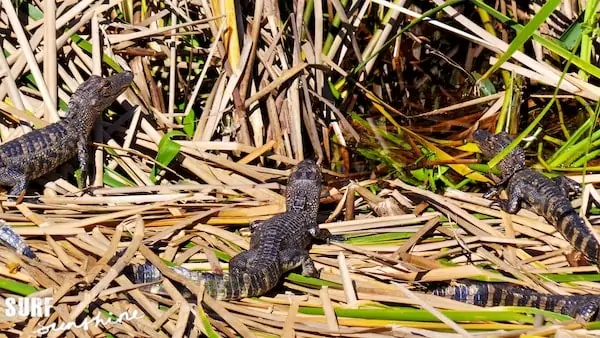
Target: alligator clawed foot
<point x="91" y="189"/>
<point x="335" y="238"/>
<point x="496" y="203"/>
<point x="23" y="199"/>
<point x="492" y="193"/>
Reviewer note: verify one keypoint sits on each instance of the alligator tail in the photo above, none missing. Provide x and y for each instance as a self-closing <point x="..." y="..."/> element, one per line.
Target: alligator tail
<point x="12" y="240"/>
<point x="222" y="287"/>
<point x="579" y="234"/>
<point x="582" y="307"/>
<point x="495" y="294"/>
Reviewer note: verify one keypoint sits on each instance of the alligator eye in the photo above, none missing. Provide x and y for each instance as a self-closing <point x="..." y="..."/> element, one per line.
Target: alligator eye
<point x="106" y="85"/>
<point x="105" y="90"/>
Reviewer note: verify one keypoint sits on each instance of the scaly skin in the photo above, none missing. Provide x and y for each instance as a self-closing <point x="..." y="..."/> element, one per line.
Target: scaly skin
<point x="11" y="239"/>
<point x="41" y="151"/>
<point x="546" y="197"/>
<point x="277" y="246"/>
<point x="583" y="308"/>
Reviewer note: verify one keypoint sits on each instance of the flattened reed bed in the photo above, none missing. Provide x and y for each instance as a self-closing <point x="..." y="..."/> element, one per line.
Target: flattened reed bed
<point x="78" y="260"/>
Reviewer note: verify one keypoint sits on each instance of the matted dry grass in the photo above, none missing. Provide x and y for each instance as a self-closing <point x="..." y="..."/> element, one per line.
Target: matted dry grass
<point x="73" y="265"/>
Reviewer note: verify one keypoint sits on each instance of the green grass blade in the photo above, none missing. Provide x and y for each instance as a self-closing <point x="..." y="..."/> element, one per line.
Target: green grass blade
<point x="297" y="278"/>
<point x="589" y="20"/>
<point x="17" y="287"/>
<point x="524" y="35"/>
<point x="551" y="45"/>
<point x="575" y="137"/>
<point x="167" y="152"/>
<point x="411" y="314"/>
<point x="210" y="331"/>
<point x="189" y="122"/>
<point x="563" y="278"/>
<point x="114" y="179"/>
<point x="383" y="238"/>
<point x="87" y="46"/>
<point x="573" y="33"/>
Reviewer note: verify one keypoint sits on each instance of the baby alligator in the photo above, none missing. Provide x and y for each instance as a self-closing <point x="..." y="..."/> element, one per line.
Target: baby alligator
<point x="546" y="197"/>
<point x="42" y="150"/>
<point x="277" y="246"/>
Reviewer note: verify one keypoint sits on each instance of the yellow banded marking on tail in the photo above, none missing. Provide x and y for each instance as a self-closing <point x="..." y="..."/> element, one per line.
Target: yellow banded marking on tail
<point x="558" y="307"/>
<point x="544" y="302"/>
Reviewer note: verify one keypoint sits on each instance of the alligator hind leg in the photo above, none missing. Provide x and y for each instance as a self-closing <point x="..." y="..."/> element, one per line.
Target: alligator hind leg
<point x="14" y="179"/>
<point x="293" y="258"/>
<point x="567" y="185"/>
<point x="242" y="261"/>
<point x="82" y="157"/>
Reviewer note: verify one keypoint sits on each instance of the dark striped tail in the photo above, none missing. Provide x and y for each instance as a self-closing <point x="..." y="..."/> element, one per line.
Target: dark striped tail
<point x="221" y="287"/>
<point x="10" y="239"/>
<point x="582" y="307"/>
<point x="493" y="294"/>
<point x="234" y="285"/>
<point x="579" y="235"/>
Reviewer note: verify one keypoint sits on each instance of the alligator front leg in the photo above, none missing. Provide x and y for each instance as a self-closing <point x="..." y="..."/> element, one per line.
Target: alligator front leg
<point x="492" y="193"/>
<point x="16" y="180"/>
<point x="323" y="234"/>
<point x="9" y="238"/>
<point x="496" y="188"/>
<point x="19" y="188"/>
<point x="513" y="204"/>
<point x="82" y="157"/>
